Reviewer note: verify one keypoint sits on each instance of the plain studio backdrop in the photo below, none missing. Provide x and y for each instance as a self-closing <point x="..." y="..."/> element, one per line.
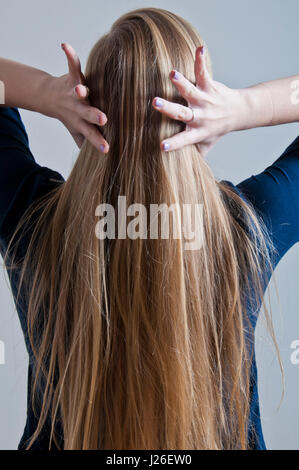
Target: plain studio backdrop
<point x="249" y="42"/>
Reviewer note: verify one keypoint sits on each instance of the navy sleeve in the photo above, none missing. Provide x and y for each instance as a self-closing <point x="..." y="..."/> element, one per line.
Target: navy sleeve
<point x="22" y="179"/>
<point x="274" y="194"/>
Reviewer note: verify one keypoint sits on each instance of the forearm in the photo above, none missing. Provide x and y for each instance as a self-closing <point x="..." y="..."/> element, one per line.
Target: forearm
<point x="24" y="86"/>
<point x="64" y="98"/>
<point x="269" y="104"/>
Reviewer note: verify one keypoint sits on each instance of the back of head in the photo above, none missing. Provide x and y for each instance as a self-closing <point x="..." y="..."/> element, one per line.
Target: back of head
<point x="143" y="344"/>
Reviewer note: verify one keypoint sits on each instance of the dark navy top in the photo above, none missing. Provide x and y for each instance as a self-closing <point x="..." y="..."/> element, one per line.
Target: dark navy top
<point x="274" y="194"/>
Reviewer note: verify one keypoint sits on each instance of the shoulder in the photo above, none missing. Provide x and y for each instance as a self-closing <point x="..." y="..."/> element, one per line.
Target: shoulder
<point x="35" y="185"/>
<point x="274" y="196"/>
<point x="22" y="179"/>
<point x="12" y="126"/>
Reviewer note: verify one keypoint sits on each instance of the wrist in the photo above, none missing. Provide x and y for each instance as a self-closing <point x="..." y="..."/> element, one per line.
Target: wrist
<point x="47" y="103"/>
<point x="238" y="110"/>
<point x="255" y="108"/>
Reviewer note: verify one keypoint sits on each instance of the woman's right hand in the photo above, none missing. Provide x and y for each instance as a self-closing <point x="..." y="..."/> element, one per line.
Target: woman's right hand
<point x="216" y="108"/>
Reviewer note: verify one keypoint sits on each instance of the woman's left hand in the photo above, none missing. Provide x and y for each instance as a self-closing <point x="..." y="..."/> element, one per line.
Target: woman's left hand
<point x="68" y="102"/>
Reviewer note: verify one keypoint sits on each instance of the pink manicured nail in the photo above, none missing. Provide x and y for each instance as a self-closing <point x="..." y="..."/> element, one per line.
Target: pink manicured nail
<point x="102" y="118"/>
<point x="175" y="75"/>
<point x="158" y="103"/>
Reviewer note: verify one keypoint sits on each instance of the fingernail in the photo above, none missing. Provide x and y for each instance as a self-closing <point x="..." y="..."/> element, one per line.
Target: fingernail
<point x="202" y="50"/>
<point x="102" y="147"/>
<point x="62" y="45"/>
<point x="159" y="103"/>
<point x="166" y="146"/>
<point x="175" y="75"/>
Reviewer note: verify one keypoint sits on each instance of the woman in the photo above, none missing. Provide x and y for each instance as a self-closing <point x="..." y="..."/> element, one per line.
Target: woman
<point x="139" y="343"/>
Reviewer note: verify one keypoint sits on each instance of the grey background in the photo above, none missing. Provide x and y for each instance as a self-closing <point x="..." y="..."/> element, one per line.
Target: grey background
<point x="249" y="41"/>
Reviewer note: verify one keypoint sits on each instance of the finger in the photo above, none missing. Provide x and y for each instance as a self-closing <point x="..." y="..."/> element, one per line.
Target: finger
<point x="182" y="139"/>
<point x="73" y="60"/>
<point x="174" y="110"/>
<point x="204" y="149"/>
<point x="202" y="76"/>
<point x="93" y="135"/>
<point x="93" y="115"/>
<point x="79" y="139"/>
<point x="185" y="87"/>
<point x="81" y="91"/>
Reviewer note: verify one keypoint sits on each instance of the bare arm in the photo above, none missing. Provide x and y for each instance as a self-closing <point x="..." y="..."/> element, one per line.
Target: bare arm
<point x="269" y="104"/>
<point x="64" y="98"/>
<point x="24" y="85"/>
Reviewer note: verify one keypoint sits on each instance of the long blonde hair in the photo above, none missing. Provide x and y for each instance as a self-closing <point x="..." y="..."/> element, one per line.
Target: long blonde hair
<point x="140" y="344"/>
